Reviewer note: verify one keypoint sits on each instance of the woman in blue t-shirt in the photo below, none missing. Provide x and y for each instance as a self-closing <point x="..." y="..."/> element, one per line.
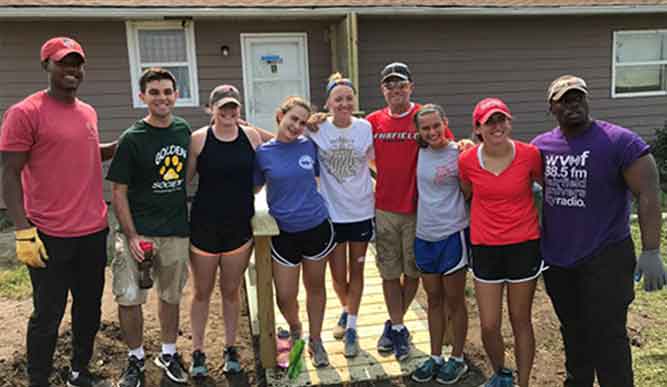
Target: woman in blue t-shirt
<point x="288" y="166"/>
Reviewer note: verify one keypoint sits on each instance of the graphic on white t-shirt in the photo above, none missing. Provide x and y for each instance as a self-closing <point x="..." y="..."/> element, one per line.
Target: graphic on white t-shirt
<point x="345" y="181"/>
<point x="565" y="178"/>
<point x="340" y="160"/>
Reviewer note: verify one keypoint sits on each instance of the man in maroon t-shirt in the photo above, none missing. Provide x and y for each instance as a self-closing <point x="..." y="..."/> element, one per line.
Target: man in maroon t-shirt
<point x="52" y="186"/>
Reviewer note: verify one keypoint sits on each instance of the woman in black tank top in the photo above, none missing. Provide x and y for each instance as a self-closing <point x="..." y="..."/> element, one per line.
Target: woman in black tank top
<point x="225" y="195"/>
<point x="223" y="155"/>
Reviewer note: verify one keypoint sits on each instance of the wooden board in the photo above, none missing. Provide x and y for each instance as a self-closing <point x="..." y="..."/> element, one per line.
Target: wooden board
<point x="369" y="365"/>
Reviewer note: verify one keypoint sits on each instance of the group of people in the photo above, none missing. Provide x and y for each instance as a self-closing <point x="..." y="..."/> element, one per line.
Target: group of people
<point x="438" y="208"/>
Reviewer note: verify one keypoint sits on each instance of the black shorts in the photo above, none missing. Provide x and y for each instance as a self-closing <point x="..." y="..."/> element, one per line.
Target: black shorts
<point x="518" y="262"/>
<point x="362" y="231"/>
<point x="219" y="239"/>
<point x="290" y="248"/>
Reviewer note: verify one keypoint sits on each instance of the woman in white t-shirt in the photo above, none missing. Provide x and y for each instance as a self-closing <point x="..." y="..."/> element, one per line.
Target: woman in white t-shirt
<point x="345" y="147"/>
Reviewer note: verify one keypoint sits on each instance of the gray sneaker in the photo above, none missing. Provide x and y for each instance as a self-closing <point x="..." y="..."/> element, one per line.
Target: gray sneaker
<point x="351" y="343"/>
<point x="339" y="329"/>
<point x="318" y="353"/>
<point x="452" y="371"/>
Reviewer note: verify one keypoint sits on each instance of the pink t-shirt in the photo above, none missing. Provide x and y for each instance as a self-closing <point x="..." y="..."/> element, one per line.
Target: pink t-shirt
<point x="62" y="179"/>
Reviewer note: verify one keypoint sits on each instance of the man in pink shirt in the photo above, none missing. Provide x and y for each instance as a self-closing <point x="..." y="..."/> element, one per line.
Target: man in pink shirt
<point x="52" y="186"/>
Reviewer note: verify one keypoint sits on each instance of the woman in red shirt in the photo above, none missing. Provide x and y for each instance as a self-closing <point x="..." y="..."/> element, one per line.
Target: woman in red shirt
<point x="498" y="175"/>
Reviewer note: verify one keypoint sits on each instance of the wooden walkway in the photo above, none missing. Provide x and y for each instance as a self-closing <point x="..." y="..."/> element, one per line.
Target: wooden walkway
<point x="369" y="365"/>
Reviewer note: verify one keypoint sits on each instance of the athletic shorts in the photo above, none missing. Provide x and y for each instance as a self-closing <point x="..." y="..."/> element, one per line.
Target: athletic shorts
<point x="216" y="239"/>
<point x="362" y="231"/>
<point x="395" y="244"/>
<point x="518" y="262"/>
<point x="444" y="256"/>
<point x="290" y="248"/>
<point x="170" y="270"/>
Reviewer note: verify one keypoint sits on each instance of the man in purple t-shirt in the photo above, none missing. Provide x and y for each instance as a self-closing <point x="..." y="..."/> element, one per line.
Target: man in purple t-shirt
<point x="592" y="169"/>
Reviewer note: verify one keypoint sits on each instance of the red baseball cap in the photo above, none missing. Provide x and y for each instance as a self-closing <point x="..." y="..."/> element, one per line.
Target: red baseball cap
<point x="58" y="48"/>
<point x="486" y="108"/>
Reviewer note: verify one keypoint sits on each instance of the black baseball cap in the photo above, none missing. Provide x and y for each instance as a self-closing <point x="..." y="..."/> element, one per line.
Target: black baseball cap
<point x="396" y="69"/>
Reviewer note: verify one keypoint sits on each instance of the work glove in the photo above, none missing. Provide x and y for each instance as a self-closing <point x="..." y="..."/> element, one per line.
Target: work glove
<point x="650" y="266"/>
<point x="29" y="248"/>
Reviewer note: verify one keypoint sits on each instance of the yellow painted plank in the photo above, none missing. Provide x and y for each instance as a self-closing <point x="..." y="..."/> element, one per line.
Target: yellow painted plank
<point x="331" y="296"/>
<point x="420" y="339"/>
<point x="369" y="365"/>
<point x="372" y="331"/>
<point x="330" y="320"/>
<point x="353" y="371"/>
<point x="368" y="358"/>
<point x="338" y="360"/>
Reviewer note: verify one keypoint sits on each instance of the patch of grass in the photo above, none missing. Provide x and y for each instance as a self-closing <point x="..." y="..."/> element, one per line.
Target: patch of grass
<point x="15" y="283"/>
<point x="650" y="310"/>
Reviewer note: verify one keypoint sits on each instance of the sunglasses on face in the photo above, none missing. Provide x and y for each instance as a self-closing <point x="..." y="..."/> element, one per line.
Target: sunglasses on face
<point x="497" y="119"/>
<point x="391" y="85"/>
<point x="572" y="98"/>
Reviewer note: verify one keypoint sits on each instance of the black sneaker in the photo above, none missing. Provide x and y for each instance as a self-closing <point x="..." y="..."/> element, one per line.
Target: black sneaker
<point x="173" y="367"/>
<point x="84" y="379"/>
<point x="198" y="367"/>
<point x="133" y="376"/>
<point x="232" y="363"/>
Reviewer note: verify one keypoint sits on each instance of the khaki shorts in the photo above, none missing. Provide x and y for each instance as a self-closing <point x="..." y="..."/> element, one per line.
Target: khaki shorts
<point x="394" y="241"/>
<point x="170" y="270"/>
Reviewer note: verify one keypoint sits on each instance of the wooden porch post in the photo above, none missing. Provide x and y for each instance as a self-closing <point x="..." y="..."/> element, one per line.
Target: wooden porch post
<point x="264" y="226"/>
<point x="353" y="53"/>
<point x="343" y="40"/>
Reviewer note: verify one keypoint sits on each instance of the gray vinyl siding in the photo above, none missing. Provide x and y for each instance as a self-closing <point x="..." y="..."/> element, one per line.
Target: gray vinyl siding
<point x="458" y="61"/>
<point x="455" y="60"/>
<point x="107" y="82"/>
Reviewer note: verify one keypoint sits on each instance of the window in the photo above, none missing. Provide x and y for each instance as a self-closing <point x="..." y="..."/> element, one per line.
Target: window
<point x="640" y="63"/>
<point x="170" y="45"/>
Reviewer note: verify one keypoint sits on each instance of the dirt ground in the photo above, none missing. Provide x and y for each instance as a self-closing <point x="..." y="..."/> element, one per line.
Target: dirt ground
<point x="110" y="352"/>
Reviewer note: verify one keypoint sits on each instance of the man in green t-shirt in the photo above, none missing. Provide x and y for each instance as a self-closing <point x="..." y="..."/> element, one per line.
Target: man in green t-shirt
<point x="149" y="200"/>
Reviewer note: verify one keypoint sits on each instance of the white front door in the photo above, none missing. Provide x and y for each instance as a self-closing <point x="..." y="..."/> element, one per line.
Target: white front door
<point x="274" y="67"/>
